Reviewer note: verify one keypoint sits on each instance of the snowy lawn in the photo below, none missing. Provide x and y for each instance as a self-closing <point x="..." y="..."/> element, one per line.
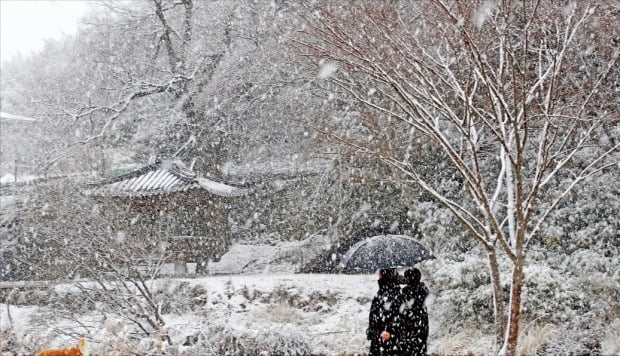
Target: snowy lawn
<point x="328" y="312"/>
<point x="316" y="314"/>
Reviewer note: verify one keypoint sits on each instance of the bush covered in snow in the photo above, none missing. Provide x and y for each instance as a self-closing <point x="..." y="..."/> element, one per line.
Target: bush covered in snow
<point x="227" y="341"/>
<point x="570" y="301"/>
<point x="461" y="294"/>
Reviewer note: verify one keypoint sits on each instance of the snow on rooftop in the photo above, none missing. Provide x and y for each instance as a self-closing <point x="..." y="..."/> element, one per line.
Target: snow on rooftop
<point x="150" y="183"/>
<point x="221" y="189"/>
<point x="25" y="178"/>
<point x="29" y="178"/>
<point x="164" y="178"/>
<point x="4" y="116"/>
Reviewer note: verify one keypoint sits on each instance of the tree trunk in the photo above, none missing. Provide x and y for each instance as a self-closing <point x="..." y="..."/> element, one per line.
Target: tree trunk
<point x="498" y="297"/>
<point x="510" y="343"/>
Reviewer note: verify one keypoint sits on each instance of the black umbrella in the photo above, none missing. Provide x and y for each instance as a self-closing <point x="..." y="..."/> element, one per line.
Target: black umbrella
<point x="385" y="251"/>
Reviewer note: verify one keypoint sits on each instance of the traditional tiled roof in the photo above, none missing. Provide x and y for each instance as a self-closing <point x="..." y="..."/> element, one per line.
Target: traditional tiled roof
<point x="163" y="178"/>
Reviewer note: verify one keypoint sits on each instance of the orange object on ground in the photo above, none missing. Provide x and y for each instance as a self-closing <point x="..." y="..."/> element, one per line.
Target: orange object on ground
<point x="81" y="350"/>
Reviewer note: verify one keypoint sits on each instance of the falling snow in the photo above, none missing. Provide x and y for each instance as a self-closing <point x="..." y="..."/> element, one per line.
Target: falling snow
<point x="191" y="177"/>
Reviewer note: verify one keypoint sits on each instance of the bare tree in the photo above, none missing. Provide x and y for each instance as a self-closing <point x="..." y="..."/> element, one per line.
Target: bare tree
<point x="135" y="70"/>
<point x="502" y="88"/>
<point x="65" y="237"/>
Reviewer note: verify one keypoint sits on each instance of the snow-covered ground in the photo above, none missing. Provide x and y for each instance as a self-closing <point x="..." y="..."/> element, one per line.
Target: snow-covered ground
<point x="256" y="302"/>
<point x="320" y="314"/>
<point x="329" y="313"/>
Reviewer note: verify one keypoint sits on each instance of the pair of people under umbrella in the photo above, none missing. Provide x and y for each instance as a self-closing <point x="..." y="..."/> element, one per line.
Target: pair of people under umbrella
<point x="398" y="321"/>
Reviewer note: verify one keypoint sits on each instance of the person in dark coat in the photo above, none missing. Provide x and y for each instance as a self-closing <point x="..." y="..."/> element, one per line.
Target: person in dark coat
<point x="413" y="321"/>
<point x="384" y="314"/>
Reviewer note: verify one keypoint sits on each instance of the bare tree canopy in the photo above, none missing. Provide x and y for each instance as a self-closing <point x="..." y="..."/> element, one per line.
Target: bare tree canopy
<point x="503" y="89"/>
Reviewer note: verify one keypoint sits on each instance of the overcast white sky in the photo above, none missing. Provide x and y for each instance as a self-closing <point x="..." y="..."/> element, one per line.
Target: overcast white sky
<point x="25" y="24"/>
